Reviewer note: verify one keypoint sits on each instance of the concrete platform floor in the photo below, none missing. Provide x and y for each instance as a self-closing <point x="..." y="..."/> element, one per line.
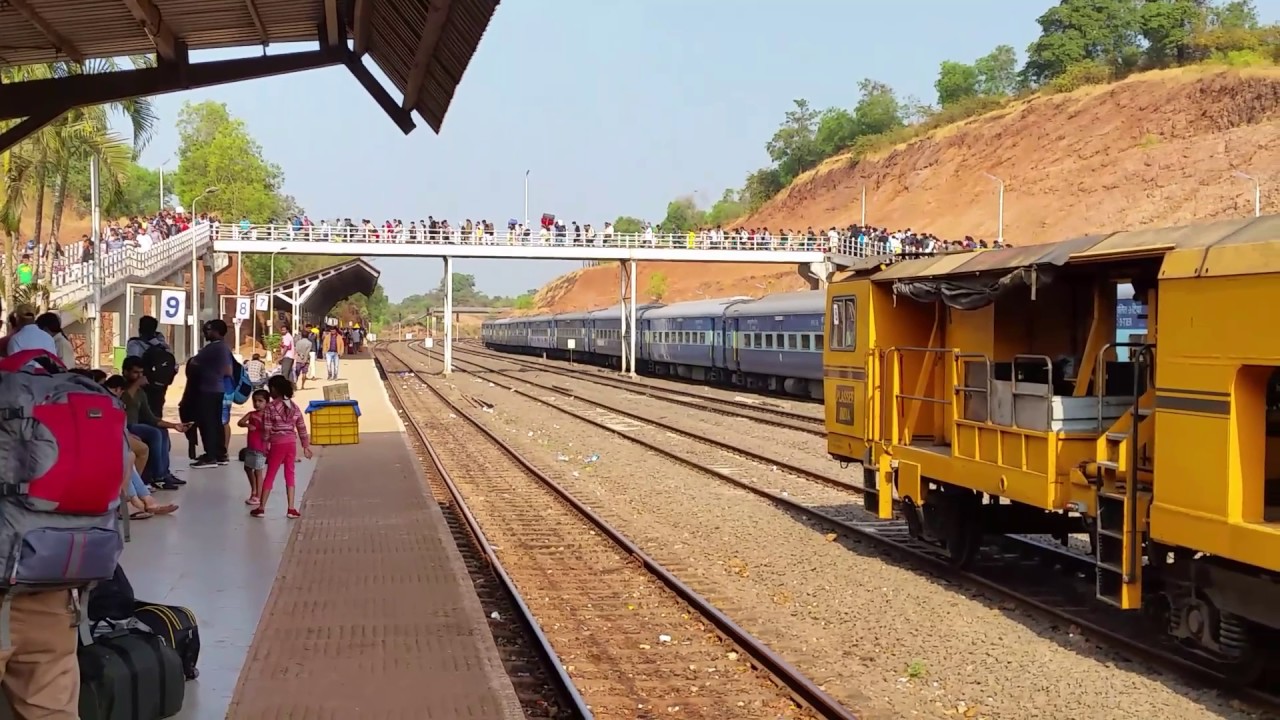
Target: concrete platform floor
<point x="212" y="557"/>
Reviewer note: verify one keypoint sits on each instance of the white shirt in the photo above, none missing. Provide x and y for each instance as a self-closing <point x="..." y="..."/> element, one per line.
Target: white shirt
<point x="32" y="337"/>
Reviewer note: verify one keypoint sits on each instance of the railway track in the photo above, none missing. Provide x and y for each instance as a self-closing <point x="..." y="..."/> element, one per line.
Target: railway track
<point x="760" y="412"/>
<point x="634" y="640"/>
<point x="1048" y="579"/>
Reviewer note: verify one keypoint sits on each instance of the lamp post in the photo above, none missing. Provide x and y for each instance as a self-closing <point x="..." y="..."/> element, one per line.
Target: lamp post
<point x="195" y="274"/>
<point x="166" y="162"/>
<point x="526" y="200"/>
<point x="271" y="294"/>
<point x="1257" y="192"/>
<point x="864" y="207"/>
<point x="1000" y="211"/>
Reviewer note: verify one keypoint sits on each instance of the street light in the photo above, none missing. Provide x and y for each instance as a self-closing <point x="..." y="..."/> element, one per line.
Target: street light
<point x="195" y="285"/>
<point x="1257" y="192"/>
<point x="526" y="200"/>
<point x="1000" y="212"/>
<point x="271" y="293"/>
<point x="166" y="162"/>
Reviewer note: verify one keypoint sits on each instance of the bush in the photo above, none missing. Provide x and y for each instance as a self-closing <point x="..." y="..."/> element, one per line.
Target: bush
<point x="1242" y="59"/>
<point x="1081" y="75"/>
<point x="657" y="286"/>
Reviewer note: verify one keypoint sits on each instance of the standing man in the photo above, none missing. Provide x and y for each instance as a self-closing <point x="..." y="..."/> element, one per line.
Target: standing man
<point x="333" y="347"/>
<point x="313" y="334"/>
<point x="212" y="369"/>
<point x="159" y="366"/>
<point x="287" y="354"/>
<point x="303" y="350"/>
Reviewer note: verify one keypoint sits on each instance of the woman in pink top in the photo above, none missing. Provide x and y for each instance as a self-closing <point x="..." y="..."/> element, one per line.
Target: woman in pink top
<point x="283" y="426"/>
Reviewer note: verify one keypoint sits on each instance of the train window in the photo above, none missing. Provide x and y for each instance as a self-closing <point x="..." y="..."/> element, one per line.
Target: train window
<point x="791" y="341"/>
<point x="806" y="342"/>
<point x="704" y="338"/>
<point x="817" y="341"/>
<point x="757" y="340"/>
<point x="844" y="323"/>
<point x="768" y="341"/>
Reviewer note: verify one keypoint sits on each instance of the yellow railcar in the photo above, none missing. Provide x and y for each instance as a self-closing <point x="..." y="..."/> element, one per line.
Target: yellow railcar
<point x="985" y="393"/>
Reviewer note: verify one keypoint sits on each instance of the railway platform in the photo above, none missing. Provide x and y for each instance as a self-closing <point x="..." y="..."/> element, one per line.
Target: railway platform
<point x="361" y="608"/>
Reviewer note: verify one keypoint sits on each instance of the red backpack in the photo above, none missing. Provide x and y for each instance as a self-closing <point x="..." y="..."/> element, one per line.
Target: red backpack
<point x="63" y="462"/>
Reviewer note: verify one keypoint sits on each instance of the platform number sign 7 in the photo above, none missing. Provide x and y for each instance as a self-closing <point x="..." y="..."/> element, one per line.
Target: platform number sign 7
<point x="173" y="307"/>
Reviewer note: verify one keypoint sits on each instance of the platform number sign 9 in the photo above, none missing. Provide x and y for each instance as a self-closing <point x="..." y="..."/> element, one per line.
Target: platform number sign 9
<point x="173" y="307"/>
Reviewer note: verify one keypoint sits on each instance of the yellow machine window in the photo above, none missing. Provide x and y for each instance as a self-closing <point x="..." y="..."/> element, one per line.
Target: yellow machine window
<point x="844" y="323"/>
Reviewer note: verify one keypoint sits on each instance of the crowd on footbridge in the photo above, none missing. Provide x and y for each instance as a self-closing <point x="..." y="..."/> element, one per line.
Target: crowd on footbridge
<point x="857" y="240"/>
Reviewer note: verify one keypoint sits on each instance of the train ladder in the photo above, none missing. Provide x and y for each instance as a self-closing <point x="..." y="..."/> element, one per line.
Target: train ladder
<point x="1122" y="501"/>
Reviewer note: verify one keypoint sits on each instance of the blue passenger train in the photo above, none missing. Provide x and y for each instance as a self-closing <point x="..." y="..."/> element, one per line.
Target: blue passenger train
<point x="773" y="344"/>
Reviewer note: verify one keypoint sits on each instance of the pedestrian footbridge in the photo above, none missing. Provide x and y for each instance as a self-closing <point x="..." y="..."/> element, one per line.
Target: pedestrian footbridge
<point x="705" y="247"/>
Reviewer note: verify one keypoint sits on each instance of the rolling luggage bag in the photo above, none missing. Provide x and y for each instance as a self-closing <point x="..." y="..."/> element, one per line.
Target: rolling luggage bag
<point x="177" y="627"/>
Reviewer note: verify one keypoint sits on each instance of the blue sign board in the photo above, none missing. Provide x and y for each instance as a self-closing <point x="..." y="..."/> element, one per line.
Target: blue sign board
<point x="1131" y="315"/>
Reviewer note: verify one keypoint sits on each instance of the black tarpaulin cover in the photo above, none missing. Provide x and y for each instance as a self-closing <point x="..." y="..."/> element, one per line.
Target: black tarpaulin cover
<point x="972" y="292"/>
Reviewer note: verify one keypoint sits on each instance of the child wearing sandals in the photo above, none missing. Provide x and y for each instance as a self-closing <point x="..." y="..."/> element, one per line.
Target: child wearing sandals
<point x="255" y="451"/>
<point x="283" y="426"/>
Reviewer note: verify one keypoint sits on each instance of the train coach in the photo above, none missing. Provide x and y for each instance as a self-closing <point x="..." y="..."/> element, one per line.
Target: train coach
<point x="686" y="339"/>
<point x="775" y="343"/>
<point x="770" y="345"/>
<point x="987" y="393"/>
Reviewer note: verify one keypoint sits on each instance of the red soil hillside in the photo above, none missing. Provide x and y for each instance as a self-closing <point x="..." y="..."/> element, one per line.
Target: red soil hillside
<point x="1157" y="149"/>
<point x="596" y="287"/>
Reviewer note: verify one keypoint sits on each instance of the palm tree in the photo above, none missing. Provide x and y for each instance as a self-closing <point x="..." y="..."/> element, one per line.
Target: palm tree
<point x="86" y="131"/>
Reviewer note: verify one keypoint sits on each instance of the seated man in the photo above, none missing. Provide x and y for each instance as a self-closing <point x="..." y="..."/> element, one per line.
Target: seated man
<point x="141" y="422"/>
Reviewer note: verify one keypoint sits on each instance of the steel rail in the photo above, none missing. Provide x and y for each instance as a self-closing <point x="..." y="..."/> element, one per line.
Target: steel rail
<point x="785" y="674"/>
<point x="543" y="644"/>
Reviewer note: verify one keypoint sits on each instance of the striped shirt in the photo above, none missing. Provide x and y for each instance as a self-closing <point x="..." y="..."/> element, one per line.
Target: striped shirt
<point x="281" y="419"/>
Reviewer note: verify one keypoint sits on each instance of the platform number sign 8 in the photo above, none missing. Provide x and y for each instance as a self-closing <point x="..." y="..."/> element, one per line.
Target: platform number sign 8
<point x="173" y="307"/>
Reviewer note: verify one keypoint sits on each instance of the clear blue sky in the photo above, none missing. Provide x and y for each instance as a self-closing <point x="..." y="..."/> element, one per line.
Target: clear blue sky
<point x="616" y="106"/>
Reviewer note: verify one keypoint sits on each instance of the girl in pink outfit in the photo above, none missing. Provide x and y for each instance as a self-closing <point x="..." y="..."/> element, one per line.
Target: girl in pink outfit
<point x="283" y="426"/>
<point x="255" y="451"/>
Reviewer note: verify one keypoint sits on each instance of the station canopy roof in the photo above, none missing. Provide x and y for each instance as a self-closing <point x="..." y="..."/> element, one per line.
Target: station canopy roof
<point x="319" y="290"/>
<point x="422" y="46"/>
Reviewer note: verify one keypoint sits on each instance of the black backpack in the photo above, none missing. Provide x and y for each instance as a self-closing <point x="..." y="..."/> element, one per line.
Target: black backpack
<point x="159" y="365"/>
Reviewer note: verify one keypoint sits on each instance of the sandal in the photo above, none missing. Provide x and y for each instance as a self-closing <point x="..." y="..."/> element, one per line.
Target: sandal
<point x="140" y="515"/>
<point x="163" y="509"/>
<point x="252" y="501"/>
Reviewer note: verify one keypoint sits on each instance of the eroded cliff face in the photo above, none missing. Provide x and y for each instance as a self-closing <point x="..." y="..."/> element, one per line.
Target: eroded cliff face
<point x="1158" y="149"/>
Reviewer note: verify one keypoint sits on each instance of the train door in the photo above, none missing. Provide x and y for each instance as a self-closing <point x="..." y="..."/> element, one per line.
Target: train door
<point x="731" y="344"/>
<point x="845" y="373"/>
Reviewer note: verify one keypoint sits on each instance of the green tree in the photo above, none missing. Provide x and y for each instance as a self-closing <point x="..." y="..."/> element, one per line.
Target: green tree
<point x="956" y="81"/>
<point x="793" y="147"/>
<point x="837" y="130"/>
<point x="998" y="71"/>
<point x="878" y="110"/>
<point x="627" y="225"/>
<point x="1081" y="31"/>
<point x="759" y="187"/>
<point x="1236" y="15"/>
<point x="216" y="150"/>
<point x="727" y="209"/>
<point x="682" y="216"/>
<point x="1168" y="27"/>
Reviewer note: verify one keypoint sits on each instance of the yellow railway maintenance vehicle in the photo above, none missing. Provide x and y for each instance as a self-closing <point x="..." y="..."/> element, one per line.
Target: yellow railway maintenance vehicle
<point x="985" y="393"/>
